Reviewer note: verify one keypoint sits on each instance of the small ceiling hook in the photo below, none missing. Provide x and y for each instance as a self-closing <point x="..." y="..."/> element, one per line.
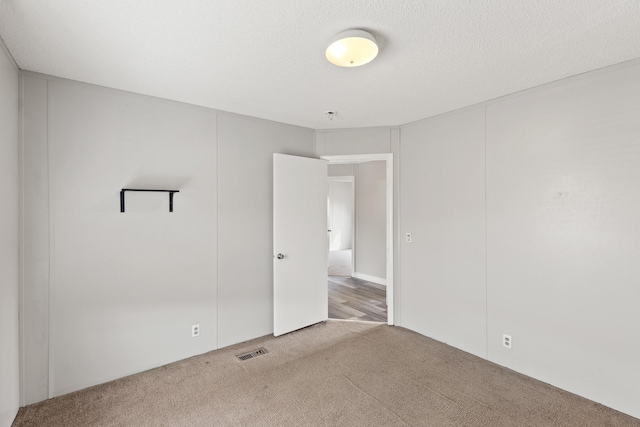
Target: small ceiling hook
<point x="331" y="114"/>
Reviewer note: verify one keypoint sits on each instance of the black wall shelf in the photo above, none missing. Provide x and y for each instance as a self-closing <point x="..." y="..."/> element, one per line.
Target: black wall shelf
<point x="155" y="191"/>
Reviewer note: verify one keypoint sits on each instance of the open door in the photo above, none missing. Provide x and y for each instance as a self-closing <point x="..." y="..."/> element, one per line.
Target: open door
<point x="300" y="294"/>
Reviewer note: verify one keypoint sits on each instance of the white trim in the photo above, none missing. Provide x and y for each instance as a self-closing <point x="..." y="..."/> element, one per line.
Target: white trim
<point x="388" y="159"/>
<point x="346" y="178"/>
<point x="368" y="278"/>
<point x="353" y="320"/>
<point x="350" y="159"/>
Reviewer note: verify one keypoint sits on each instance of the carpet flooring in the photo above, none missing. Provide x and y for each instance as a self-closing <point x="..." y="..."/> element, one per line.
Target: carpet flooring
<point x="332" y="374"/>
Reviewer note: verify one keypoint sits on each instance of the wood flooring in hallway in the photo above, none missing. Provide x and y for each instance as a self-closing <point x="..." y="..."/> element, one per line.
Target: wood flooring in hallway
<point x="355" y="299"/>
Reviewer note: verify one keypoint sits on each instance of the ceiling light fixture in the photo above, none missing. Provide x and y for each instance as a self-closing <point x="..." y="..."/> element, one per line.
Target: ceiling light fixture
<point x="352" y="48"/>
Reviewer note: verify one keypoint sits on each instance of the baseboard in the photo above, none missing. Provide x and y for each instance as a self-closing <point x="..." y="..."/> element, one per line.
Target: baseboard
<point x="368" y="278"/>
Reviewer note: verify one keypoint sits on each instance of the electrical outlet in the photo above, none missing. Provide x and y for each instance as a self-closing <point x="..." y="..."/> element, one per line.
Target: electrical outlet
<point x="506" y="340"/>
<point x="195" y="331"/>
<point x="408" y="238"/>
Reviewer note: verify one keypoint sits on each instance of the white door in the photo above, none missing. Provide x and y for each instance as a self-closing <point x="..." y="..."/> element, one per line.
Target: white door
<point x="300" y="294"/>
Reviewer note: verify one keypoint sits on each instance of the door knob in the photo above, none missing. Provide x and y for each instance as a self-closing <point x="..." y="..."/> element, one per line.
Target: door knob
<point x="280" y="256"/>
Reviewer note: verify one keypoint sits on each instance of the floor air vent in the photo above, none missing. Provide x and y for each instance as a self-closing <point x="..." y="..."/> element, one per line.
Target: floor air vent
<point x="251" y="355"/>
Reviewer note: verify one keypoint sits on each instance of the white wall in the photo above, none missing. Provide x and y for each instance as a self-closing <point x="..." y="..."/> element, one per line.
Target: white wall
<point x="562" y="216"/>
<point x="34" y="314"/>
<point x="355" y="141"/>
<point x="442" y="206"/>
<point x="9" y="226"/>
<point x="563" y="235"/>
<point x="341" y="211"/>
<point x="107" y="294"/>
<point x="370" y="200"/>
<point x="245" y="221"/>
<point x="557" y="195"/>
<point x="371" y="221"/>
<point x="124" y="288"/>
<point x="340" y="170"/>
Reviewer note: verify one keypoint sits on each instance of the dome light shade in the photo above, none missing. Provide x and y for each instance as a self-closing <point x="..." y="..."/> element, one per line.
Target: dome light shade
<point x="352" y="48"/>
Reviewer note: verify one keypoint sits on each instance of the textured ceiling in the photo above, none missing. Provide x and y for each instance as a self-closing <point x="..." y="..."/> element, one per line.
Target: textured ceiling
<point x="266" y="58"/>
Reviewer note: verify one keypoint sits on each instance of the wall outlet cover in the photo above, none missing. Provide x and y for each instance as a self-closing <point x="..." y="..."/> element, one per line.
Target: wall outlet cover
<point x="506" y="340"/>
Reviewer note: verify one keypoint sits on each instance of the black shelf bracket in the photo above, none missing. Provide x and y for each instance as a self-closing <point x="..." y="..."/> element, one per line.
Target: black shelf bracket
<point x="156" y="191"/>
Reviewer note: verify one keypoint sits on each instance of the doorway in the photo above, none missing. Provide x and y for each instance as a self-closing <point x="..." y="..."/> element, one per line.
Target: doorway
<point x="341" y="222"/>
<point x="361" y="283"/>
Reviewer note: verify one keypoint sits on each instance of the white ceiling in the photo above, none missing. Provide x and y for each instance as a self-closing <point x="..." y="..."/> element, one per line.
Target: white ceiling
<point x="266" y="58"/>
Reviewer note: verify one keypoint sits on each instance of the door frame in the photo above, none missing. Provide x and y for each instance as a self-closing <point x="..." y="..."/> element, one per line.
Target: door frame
<point x="351" y="181"/>
<point x="350" y="159"/>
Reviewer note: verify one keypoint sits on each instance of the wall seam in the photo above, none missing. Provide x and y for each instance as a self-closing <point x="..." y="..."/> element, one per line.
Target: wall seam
<point x="51" y="244"/>
<point x="356" y="213"/>
<point x="21" y="321"/>
<point x="397" y="287"/>
<point x="486" y="266"/>
<point x="217" y="142"/>
<point x="315" y="143"/>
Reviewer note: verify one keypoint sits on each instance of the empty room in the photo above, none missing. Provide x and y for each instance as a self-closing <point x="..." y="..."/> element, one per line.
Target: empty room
<point x="344" y="213"/>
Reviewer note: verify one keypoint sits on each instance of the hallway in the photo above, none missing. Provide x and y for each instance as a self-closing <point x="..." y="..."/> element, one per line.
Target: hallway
<point x="355" y="299"/>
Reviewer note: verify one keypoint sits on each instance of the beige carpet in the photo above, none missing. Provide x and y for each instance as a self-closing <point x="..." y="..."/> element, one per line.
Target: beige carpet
<point x="340" y="263"/>
<point x="332" y="374"/>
